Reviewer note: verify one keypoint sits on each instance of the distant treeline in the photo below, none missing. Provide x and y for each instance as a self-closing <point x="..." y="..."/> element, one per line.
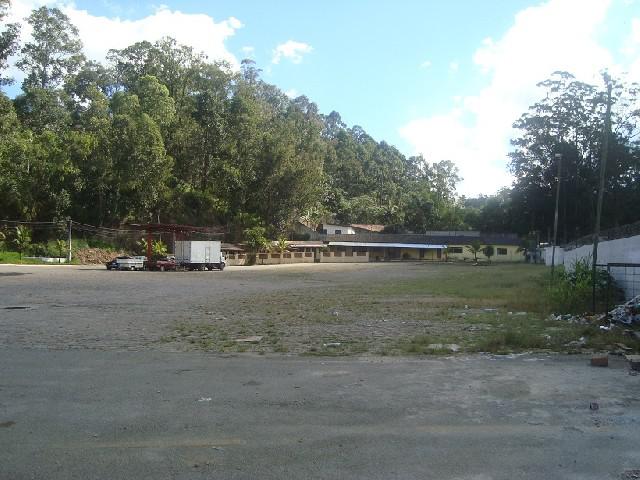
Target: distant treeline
<point x="160" y="132"/>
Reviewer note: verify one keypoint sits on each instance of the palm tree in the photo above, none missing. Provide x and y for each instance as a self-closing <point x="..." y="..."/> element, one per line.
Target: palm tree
<point x="159" y="248"/>
<point x="21" y="239"/>
<point x="475" y="248"/>
<point x="60" y="247"/>
<point x="282" y="246"/>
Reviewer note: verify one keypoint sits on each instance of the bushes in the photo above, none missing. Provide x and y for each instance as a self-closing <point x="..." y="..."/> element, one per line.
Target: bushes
<point x="571" y="291"/>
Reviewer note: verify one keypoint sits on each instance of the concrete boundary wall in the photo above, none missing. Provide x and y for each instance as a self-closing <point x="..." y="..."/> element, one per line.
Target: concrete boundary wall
<point x="342" y="257"/>
<point x="271" y="258"/>
<point x="622" y="250"/>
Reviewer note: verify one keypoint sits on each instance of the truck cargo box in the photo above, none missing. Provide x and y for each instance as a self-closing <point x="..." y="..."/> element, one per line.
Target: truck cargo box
<point x="197" y="254"/>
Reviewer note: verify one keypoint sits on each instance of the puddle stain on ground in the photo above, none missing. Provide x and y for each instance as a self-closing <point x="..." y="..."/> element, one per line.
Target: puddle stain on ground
<point x="8" y="424"/>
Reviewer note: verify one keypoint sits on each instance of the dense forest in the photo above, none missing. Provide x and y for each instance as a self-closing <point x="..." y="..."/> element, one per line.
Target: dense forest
<point x="159" y="132"/>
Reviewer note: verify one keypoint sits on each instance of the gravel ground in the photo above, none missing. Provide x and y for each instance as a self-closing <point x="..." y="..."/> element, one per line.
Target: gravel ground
<point x="296" y="308"/>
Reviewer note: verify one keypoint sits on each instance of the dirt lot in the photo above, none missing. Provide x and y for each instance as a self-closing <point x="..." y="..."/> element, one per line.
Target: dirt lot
<point x="380" y="309"/>
<point x="182" y="404"/>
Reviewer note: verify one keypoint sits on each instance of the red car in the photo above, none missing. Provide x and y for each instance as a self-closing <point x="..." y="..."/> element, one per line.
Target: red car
<point x="162" y="264"/>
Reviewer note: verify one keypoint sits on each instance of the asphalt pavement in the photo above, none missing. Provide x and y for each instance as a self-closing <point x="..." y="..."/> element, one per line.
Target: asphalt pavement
<point x="89" y="414"/>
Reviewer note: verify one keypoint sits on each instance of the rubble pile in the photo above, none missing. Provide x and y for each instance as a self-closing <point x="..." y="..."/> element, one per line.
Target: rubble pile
<point x="93" y="256"/>
<point x="627" y="313"/>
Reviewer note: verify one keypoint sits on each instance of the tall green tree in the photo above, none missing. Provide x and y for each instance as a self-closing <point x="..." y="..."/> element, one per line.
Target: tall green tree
<point x="569" y="121"/>
<point x="140" y="164"/>
<point x="55" y="51"/>
<point x="8" y="41"/>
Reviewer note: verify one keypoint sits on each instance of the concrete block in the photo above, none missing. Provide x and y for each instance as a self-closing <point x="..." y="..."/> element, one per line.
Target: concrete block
<point x="600" y="361"/>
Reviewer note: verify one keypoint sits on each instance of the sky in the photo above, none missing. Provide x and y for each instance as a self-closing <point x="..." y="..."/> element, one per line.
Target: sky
<point x="445" y="79"/>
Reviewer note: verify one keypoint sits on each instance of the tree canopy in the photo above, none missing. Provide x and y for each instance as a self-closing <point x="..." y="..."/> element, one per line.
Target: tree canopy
<point x="158" y="131"/>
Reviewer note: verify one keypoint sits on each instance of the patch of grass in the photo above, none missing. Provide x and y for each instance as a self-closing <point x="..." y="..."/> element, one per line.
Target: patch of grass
<point x="516" y="287"/>
<point x="399" y="314"/>
<point x="14" y="257"/>
<point x="510" y="340"/>
<point x="417" y="344"/>
<point x="602" y="340"/>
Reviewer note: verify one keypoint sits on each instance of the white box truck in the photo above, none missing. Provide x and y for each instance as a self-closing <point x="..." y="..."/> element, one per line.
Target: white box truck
<point x="199" y="255"/>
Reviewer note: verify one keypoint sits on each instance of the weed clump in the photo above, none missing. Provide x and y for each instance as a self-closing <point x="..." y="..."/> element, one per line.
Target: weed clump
<point x="571" y="290"/>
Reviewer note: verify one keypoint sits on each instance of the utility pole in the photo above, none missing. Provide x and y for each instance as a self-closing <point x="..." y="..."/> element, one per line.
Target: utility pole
<point x="558" y="157"/>
<point x="69" y="239"/>
<point x="603" y="167"/>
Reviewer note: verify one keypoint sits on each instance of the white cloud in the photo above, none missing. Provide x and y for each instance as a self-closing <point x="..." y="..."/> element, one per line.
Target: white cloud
<point x="632" y="50"/>
<point x="425" y="64"/>
<point x="248" y="51"/>
<point x="292" y="93"/>
<point x="454" y="66"/>
<point x="556" y="35"/>
<point x="99" y="34"/>
<point x="291" y="50"/>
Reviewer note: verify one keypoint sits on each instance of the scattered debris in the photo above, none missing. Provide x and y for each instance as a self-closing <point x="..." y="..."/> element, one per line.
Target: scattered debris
<point x="634" y="362"/>
<point x="600" y="361"/>
<point x="576" y="319"/>
<point x="331" y="345"/>
<point x="622" y="346"/>
<point x="490" y="310"/>
<point x="204" y="399"/>
<point x="594" y="406"/>
<point x="452" y="347"/>
<point x="630" y="475"/>
<point x="627" y="313"/>
<point x="581" y="342"/>
<point x="252" y="339"/>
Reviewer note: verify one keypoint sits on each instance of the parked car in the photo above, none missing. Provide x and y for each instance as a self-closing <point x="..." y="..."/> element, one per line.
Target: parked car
<point x="113" y="263"/>
<point x="131" y="263"/>
<point x="126" y="262"/>
<point x="162" y="264"/>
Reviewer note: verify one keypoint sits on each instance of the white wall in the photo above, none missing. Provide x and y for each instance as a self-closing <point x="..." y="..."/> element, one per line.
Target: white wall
<point x="344" y="229"/>
<point x="558" y="259"/>
<point x="622" y="250"/>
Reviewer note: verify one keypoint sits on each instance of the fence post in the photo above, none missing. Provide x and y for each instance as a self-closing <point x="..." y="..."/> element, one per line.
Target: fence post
<point x="606" y="300"/>
<point x="69" y="239"/>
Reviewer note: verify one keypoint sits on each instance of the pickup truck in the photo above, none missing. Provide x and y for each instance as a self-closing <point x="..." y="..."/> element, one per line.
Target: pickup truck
<point x="131" y="263"/>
